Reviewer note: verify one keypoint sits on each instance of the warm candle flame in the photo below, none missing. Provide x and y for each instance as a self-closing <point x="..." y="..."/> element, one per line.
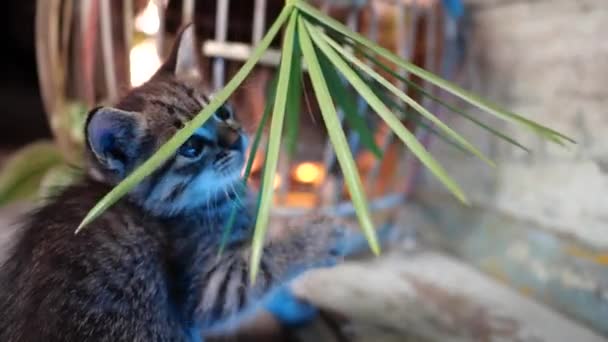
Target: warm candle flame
<point x="309" y="173"/>
<point x="144" y="62"/>
<point x="148" y="21"/>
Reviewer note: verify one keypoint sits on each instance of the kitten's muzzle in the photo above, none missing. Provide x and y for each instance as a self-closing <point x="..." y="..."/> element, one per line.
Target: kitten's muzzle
<point x="229" y="135"/>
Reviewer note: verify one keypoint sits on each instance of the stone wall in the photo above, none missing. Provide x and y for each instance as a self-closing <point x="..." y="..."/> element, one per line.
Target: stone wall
<point x="547" y="60"/>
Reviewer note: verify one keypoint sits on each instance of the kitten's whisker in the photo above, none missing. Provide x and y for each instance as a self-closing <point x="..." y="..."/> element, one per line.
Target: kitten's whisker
<point x="208" y="204"/>
<point x="214" y="202"/>
<point x="237" y="196"/>
<point x="226" y="193"/>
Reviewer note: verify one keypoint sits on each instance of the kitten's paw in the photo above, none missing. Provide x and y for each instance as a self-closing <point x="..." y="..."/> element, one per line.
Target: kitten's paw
<point x="289" y="310"/>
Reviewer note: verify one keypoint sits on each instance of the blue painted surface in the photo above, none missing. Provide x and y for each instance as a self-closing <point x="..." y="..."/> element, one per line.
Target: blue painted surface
<point x="455" y="8"/>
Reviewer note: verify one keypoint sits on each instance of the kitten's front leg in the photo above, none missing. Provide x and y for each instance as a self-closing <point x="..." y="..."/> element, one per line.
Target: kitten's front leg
<point x="289" y="310"/>
<point x="266" y="319"/>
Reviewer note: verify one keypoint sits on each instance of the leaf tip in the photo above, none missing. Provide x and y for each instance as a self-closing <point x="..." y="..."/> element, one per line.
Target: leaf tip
<point x="91" y="215"/>
<point x="464" y="200"/>
<point x="81" y="226"/>
<point x="253" y="274"/>
<point x="376" y="249"/>
<point x="563" y="141"/>
<point x="461" y="197"/>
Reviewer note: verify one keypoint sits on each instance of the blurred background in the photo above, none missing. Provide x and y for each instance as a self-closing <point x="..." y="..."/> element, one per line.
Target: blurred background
<point x="537" y="223"/>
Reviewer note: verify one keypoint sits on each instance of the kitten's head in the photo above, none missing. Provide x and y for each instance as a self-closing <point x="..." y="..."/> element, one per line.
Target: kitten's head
<point x="122" y="137"/>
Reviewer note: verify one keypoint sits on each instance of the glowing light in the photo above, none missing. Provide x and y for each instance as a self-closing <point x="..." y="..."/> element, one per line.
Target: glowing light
<point x="258" y="160"/>
<point x="277" y="182"/>
<point x="148" y="21"/>
<point x="309" y="173"/>
<point x="144" y="62"/>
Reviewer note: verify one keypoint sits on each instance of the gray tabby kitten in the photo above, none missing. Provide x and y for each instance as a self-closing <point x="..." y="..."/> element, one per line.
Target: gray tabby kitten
<point x="148" y="268"/>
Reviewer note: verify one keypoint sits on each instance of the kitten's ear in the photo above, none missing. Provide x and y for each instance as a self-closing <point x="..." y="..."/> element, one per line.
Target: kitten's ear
<point x="184" y="58"/>
<point x="114" y="136"/>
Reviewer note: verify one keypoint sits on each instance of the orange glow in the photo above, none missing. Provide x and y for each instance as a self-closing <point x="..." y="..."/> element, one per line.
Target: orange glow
<point x="258" y="160"/>
<point x="309" y="173"/>
<point x="277" y="182"/>
<point x="144" y="62"/>
<point x="148" y="21"/>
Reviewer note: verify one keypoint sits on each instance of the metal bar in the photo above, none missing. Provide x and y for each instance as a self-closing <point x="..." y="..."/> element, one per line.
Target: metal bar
<point x="405" y="46"/>
<point x="362" y="106"/>
<point x="239" y="52"/>
<point x="47" y="22"/>
<point x="221" y="33"/>
<point x="329" y="157"/>
<point x="187" y="11"/>
<point x="431" y="61"/>
<point x="353" y="136"/>
<point x="412" y="165"/>
<point x="407" y="40"/>
<point x="66" y="30"/>
<point x="160" y="36"/>
<point x="326" y="6"/>
<point x="127" y="17"/>
<point x="283" y="173"/>
<point x="108" y="50"/>
<point x="259" y="21"/>
<point x="88" y="23"/>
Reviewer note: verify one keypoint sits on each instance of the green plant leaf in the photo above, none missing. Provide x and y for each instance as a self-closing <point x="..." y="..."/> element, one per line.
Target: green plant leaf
<point x="272" y="152"/>
<point x="22" y="174"/>
<point x="416" y="118"/>
<point x="391" y="120"/>
<point x="292" y="119"/>
<point x="328" y="22"/>
<point x="252" y="153"/>
<point x="169" y="148"/>
<point x="438" y="100"/>
<point x="57" y="179"/>
<point x="317" y="34"/>
<point x="258" y="133"/>
<point x="337" y="137"/>
<point x="345" y="100"/>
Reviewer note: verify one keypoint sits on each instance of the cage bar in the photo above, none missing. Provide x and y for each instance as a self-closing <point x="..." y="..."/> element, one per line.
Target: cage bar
<point x="221" y="33"/>
<point x="108" y="50"/>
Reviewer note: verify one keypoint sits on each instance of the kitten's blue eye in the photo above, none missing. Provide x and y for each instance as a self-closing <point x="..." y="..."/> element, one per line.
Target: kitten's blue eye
<point x="223" y="113"/>
<point x="193" y="147"/>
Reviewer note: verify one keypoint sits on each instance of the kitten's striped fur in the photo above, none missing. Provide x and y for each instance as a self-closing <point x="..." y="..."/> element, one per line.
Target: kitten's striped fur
<point x="148" y="268"/>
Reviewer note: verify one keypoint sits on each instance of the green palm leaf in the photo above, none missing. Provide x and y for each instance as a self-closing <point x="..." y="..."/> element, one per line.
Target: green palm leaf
<point x="416" y="118"/>
<point x="255" y="145"/>
<point x="438" y="100"/>
<point x="292" y="119"/>
<point x="337" y="138"/>
<point x="345" y="100"/>
<point x="397" y="92"/>
<point x="274" y="141"/>
<point x="332" y="24"/>
<point x="391" y="120"/>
